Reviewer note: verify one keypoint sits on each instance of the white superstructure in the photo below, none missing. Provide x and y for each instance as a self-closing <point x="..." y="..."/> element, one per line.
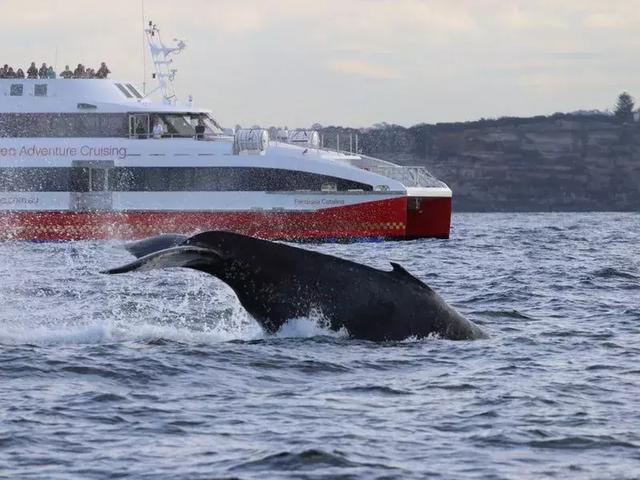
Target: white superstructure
<point x="100" y="149"/>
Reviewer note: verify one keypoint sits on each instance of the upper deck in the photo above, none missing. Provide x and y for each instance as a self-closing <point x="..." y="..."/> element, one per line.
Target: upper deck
<point x="19" y="95"/>
<point x="48" y="111"/>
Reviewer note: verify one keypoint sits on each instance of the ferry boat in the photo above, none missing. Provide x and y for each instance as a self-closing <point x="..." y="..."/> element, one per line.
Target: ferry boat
<point x="79" y="160"/>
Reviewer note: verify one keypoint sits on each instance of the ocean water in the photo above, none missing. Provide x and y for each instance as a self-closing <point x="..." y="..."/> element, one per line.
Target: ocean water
<point x="163" y="375"/>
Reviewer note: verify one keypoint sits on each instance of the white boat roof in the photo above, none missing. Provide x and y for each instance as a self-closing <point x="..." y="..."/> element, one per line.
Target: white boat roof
<point x="19" y="95"/>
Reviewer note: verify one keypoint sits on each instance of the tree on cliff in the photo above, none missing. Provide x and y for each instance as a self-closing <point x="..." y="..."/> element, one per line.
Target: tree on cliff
<point x="624" y="107"/>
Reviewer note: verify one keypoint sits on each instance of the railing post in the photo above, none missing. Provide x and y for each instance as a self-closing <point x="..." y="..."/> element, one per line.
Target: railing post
<point x="357" y="151"/>
<point x="338" y="143"/>
<point x="351" y="144"/>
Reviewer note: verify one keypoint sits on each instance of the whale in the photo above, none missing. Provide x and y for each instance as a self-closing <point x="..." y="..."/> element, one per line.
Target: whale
<point x="276" y="282"/>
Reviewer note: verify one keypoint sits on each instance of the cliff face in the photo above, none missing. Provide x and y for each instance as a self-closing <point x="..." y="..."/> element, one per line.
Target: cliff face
<point x="562" y="162"/>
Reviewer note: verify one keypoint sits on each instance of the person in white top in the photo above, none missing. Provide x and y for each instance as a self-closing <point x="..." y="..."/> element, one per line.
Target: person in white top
<point x="158" y="129"/>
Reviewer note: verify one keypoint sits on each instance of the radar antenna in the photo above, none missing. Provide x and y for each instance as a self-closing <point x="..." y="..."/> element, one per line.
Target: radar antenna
<point x="160" y="56"/>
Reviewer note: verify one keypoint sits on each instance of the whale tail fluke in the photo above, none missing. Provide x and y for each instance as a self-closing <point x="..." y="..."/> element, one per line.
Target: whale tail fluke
<point x="197" y="258"/>
<point x="154" y="244"/>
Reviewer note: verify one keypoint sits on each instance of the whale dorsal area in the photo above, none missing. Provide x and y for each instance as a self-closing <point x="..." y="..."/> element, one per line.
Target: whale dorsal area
<point x="401" y="272"/>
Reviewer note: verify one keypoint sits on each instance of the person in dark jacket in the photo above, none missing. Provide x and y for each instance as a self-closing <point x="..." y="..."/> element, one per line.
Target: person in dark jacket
<point x="103" y="71"/>
<point x="44" y="70"/>
<point x="33" y="71"/>
<point x="66" y="73"/>
<point x="200" y="130"/>
<point x="79" y="71"/>
<point x="141" y="131"/>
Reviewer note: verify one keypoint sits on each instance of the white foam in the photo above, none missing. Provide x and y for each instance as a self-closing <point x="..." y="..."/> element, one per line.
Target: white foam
<point x="315" y="325"/>
<point x="51" y="335"/>
<point x="240" y="329"/>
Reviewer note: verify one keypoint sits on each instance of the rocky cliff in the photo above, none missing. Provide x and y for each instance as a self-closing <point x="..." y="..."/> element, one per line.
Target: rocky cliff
<point x="562" y="162"/>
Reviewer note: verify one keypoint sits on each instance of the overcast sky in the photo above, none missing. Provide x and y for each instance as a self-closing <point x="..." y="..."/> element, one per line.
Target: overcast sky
<point x="352" y="62"/>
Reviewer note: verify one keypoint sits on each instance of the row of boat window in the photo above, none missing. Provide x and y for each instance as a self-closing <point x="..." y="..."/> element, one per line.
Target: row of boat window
<point x="171" y="179"/>
<point x="36" y="125"/>
<point x="40" y="90"/>
<point x="95" y="125"/>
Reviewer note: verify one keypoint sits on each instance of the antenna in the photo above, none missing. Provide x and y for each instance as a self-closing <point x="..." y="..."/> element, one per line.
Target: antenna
<point x="144" y="54"/>
<point x="160" y="54"/>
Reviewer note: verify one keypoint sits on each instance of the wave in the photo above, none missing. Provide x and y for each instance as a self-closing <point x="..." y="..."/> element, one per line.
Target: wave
<point x="515" y="314"/>
<point x="610" y="272"/>
<point x="291" y="461"/>
<point x="158" y="334"/>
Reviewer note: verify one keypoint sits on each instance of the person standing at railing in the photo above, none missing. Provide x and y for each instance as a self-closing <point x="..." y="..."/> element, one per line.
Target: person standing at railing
<point x="42" y="73"/>
<point x="33" y="71"/>
<point x="158" y="128"/>
<point x="200" y="130"/>
<point x="141" y="132"/>
<point x="67" y="73"/>
<point x="103" y="71"/>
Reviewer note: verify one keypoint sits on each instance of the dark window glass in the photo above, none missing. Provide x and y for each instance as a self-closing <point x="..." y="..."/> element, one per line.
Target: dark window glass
<point x="79" y="179"/>
<point x="124" y="90"/>
<point x="208" y="179"/>
<point x="39" y="125"/>
<point x="35" y="179"/>
<point x="16" y="89"/>
<point x="134" y="91"/>
<point x="98" y="179"/>
<point x="40" y="90"/>
<point x="158" y="179"/>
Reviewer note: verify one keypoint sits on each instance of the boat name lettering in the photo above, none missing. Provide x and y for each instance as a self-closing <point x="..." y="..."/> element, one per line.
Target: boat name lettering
<point x="83" y="151"/>
<point x="323" y="201"/>
<point x="19" y="200"/>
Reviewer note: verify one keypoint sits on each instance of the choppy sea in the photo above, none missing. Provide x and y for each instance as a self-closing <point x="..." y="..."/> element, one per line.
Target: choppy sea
<point x="163" y="375"/>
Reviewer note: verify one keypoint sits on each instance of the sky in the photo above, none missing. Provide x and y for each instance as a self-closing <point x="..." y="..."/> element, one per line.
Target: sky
<point x="351" y="62"/>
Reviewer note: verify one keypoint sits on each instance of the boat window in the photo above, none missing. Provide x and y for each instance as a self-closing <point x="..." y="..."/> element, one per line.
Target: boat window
<point x="16" y="89"/>
<point x="40" y="90"/>
<point x="211" y="126"/>
<point x="124" y="91"/>
<point x="39" y="179"/>
<point x="134" y="91"/>
<point x="159" y="179"/>
<point x="177" y="125"/>
<point x="211" y="179"/>
<point x="47" y="125"/>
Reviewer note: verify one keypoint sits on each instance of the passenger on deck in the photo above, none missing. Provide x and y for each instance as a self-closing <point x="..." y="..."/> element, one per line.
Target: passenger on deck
<point x="79" y="71"/>
<point x="141" y="132"/>
<point x="103" y="71"/>
<point x="4" y="71"/>
<point x="42" y="73"/>
<point x="158" y="128"/>
<point x="11" y="73"/>
<point x="51" y="73"/>
<point x="19" y="73"/>
<point x="200" y="130"/>
<point x="66" y="73"/>
<point x="33" y="71"/>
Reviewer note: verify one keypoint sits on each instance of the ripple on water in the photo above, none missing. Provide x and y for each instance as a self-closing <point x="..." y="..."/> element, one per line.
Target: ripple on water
<point x="163" y="375"/>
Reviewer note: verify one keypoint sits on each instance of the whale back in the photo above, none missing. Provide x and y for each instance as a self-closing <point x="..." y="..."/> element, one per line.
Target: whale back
<point x="276" y="282"/>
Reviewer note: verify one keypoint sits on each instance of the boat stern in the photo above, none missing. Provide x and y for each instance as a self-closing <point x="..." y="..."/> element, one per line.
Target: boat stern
<point x="428" y="212"/>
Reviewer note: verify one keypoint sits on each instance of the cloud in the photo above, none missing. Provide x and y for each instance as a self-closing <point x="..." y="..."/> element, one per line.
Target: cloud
<point x="364" y="69"/>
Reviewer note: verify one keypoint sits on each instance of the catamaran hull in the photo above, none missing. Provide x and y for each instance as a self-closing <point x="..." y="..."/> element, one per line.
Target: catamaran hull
<point x="396" y="219"/>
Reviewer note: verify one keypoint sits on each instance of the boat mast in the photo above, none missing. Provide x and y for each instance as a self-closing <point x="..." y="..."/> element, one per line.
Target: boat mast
<point x="160" y="56"/>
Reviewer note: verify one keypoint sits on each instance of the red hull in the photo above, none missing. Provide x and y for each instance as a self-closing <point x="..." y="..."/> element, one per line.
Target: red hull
<point x="388" y="219"/>
<point x="428" y="217"/>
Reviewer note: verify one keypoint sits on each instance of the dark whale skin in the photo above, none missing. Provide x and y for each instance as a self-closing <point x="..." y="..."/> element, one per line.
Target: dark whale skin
<point x="275" y="282"/>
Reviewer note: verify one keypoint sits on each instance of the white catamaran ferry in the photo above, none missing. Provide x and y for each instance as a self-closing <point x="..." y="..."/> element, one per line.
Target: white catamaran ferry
<point x="97" y="159"/>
